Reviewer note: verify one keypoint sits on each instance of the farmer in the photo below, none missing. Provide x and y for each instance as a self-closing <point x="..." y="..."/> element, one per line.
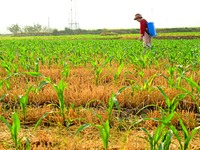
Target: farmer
<point x="144" y="35"/>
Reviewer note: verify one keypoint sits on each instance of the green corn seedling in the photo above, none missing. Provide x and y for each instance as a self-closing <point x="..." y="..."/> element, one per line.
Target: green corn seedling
<point x="170" y="79"/>
<point x="36" y="69"/>
<point x="148" y="83"/>
<point x="99" y="68"/>
<point x="182" y="72"/>
<point x="104" y="130"/>
<point x="172" y="104"/>
<point x="66" y="70"/>
<point x="166" y="140"/>
<point x="117" y="74"/>
<point x="24" y="101"/>
<point x="193" y="84"/>
<point x="187" y="138"/>
<point x="34" y="74"/>
<point x="160" y="134"/>
<point x="14" y="128"/>
<point x="7" y="66"/>
<point x="113" y="101"/>
<point x="193" y="95"/>
<point x="42" y="84"/>
<point x="98" y="71"/>
<point x="146" y="86"/>
<point x="60" y="92"/>
<point x="40" y="120"/>
<point x="105" y="133"/>
<point x="6" y="82"/>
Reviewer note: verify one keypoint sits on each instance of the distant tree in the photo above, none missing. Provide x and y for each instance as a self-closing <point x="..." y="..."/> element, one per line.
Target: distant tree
<point x="28" y="29"/>
<point x="55" y="32"/>
<point x="14" y="28"/>
<point x="69" y="31"/>
<point x="36" y="28"/>
<point x="46" y="29"/>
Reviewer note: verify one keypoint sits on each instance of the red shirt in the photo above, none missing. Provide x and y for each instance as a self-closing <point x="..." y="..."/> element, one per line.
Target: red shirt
<point x="143" y="26"/>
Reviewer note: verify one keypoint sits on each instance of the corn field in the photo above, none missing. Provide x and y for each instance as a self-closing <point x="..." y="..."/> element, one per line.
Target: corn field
<point x="91" y="93"/>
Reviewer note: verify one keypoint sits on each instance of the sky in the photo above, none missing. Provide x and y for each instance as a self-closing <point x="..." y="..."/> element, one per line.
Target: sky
<point x="99" y="14"/>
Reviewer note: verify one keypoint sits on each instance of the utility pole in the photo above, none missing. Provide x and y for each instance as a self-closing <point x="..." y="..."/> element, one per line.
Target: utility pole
<point x="73" y="24"/>
<point x="48" y="24"/>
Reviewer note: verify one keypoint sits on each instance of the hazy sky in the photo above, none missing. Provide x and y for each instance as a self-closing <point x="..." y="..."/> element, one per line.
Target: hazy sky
<point x="95" y="14"/>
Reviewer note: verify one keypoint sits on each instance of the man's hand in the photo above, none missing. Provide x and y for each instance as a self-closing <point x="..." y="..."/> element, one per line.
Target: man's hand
<point x="141" y="38"/>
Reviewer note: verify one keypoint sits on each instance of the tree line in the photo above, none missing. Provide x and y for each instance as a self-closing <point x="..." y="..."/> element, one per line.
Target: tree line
<point x="38" y="29"/>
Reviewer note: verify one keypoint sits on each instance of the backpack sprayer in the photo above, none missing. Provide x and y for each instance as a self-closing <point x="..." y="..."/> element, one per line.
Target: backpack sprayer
<point x="151" y="29"/>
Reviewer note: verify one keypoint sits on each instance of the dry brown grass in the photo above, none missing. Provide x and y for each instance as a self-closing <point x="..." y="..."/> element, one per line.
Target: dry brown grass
<point x="88" y="99"/>
<point x="57" y="137"/>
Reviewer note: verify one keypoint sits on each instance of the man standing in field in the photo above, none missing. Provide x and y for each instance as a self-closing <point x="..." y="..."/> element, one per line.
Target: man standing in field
<point x="144" y="35"/>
